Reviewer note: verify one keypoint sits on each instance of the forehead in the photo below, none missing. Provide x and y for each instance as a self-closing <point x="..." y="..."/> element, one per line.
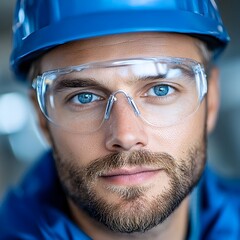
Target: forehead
<point x="121" y="46"/>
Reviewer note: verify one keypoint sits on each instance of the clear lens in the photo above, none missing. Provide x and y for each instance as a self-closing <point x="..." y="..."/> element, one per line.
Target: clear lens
<point x="163" y="92"/>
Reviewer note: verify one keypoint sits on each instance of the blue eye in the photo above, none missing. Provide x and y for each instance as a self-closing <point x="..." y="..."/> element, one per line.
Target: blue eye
<point x="85" y="98"/>
<point x="160" y="90"/>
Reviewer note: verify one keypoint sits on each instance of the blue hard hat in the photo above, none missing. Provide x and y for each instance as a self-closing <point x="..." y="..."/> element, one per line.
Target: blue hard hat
<point x="40" y="25"/>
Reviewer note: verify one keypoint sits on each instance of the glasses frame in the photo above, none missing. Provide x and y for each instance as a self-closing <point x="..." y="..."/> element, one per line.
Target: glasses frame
<point x="40" y="86"/>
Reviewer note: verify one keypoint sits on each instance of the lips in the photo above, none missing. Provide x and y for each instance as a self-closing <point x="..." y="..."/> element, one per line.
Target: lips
<point x="130" y="176"/>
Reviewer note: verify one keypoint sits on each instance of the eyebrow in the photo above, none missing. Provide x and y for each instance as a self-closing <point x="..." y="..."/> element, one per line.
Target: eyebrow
<point x="92" y="82"/>
<point x="163" y="76"/>
<point x="150" y="78"/>
<point x="77" y="83"/>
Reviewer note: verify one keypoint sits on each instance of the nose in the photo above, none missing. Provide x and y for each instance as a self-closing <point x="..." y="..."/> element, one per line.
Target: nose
<point x="125" y="130"/>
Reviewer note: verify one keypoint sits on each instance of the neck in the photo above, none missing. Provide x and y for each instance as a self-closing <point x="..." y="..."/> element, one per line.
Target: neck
<point x="174" y="227"/>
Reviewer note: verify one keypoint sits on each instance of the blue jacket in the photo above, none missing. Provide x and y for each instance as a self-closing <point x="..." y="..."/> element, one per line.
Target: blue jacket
<point x="37" y="208"/>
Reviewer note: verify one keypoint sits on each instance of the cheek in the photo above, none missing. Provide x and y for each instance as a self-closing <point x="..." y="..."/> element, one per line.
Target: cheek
<point x="78" y="148"/>
<point x="176" y="140"/>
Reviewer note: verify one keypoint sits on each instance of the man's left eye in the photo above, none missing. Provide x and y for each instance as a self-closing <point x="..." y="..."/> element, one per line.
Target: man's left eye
<point x="161" y="90"/>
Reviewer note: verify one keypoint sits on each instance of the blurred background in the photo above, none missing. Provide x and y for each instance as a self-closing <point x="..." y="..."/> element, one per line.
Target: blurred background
<point x="21" y="143"/>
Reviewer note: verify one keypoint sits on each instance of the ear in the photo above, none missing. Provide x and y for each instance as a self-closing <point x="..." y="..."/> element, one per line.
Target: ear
<point x="42" y="121"/>
<point x="213" y="99"/>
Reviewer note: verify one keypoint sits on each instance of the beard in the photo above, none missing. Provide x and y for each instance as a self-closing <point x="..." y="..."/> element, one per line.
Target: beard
<point x="135" y="211"/>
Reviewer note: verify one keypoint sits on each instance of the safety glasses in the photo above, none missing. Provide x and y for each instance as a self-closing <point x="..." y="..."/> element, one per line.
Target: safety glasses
<point x="161" y="91"/>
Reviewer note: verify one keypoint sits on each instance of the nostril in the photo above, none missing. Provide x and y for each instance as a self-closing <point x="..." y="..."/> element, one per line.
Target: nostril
<point x="116" y="146"/>
<point x="127" y="147"/>
<point x="125" y="140"/>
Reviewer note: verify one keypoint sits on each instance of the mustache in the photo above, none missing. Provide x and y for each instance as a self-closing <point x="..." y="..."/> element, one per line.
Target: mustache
<point x="113" y="161"/>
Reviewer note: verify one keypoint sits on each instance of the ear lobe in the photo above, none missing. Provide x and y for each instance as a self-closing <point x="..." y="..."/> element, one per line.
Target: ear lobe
<point x="42" y="121"/>
<point x="213" y="99"/>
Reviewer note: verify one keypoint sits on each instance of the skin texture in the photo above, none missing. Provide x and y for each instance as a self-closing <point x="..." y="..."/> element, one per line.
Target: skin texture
<point x="174" y="155"/>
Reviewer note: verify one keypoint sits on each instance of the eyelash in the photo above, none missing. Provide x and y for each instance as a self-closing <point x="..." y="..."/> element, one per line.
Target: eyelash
<point x="94" y="96"/>
<point x="98" y="97"/>
<point x="170" y="90"/>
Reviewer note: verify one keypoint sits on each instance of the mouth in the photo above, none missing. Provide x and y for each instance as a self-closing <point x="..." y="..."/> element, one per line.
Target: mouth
<point x="130" y="176"/>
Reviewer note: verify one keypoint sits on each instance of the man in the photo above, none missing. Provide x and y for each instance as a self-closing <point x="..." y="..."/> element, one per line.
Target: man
<point x="125" y="93"/>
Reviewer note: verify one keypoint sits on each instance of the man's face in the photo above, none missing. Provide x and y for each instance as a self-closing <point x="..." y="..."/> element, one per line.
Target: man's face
<point x="128" y="175"/>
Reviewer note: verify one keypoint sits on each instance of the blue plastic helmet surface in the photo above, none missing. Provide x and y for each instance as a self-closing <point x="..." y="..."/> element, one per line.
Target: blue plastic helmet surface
<point x="42" y="24"/>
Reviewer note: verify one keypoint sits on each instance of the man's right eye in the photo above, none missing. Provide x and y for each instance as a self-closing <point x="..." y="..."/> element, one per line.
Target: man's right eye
<point x="85" y="98"/>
